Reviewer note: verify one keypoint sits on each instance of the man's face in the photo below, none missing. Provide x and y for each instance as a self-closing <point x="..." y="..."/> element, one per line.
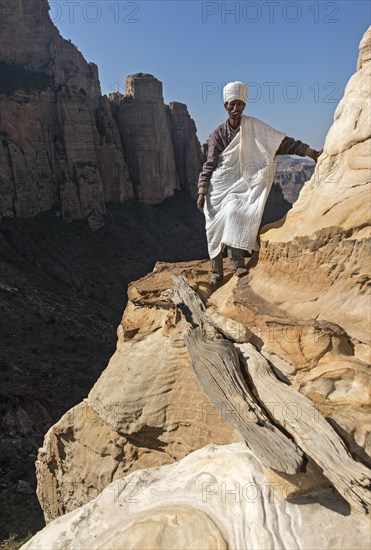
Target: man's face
<point x="235" y="109"/>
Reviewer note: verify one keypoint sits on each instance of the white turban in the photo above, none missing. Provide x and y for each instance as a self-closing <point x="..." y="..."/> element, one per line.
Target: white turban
<point x="235" y="91"/>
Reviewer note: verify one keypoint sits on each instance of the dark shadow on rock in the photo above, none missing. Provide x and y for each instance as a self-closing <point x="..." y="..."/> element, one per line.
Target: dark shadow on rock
<point x="328" y="498"/>
<point x="358" y="453"/>
<point x="147" y="437"/>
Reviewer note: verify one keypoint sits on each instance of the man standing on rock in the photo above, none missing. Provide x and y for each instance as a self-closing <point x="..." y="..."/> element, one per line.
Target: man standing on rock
<point x="236" y="178"/>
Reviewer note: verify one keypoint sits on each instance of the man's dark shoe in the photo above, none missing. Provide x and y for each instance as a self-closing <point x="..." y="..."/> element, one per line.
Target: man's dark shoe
<point x="241" y="271"/>
<point x="215" y="278"/>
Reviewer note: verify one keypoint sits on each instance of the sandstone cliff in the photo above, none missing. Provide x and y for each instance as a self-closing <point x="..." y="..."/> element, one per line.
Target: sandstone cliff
<point x="302" y="305"/>
<point x="60" y="145"/>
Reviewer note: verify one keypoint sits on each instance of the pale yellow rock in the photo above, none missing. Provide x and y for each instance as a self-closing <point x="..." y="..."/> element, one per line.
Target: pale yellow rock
<point x="291" y="487"/>
<point x="215" y="498"/>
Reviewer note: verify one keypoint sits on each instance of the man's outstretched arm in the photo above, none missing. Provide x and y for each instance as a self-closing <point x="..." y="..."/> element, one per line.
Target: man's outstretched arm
<point x="290" y="146"/>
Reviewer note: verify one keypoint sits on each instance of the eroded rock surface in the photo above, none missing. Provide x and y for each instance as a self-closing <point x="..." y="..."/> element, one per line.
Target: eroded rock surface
<point x="145" y="135"/>
<point x="146" y="409"/>
<point x="217" y="497"/>
<point x="187" y="149"/>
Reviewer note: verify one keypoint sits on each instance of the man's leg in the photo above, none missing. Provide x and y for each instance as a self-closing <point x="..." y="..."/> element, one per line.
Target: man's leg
<point x="237" y="258"/>
<point x="217" y="267"/>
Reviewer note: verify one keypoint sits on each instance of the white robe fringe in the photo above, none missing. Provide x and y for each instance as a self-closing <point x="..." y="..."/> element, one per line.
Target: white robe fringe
<point x="239" y="187"/>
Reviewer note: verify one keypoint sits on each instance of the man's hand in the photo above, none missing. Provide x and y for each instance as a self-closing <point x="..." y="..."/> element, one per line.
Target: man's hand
<point x="201" y="202"/>
<point x="313" y="154"/>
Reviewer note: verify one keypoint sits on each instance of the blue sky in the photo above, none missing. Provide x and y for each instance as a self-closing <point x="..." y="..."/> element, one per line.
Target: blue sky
<point x="296" y="56"/>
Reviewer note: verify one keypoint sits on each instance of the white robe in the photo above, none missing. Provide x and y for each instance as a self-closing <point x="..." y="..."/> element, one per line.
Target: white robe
<point x="239" y="187"/>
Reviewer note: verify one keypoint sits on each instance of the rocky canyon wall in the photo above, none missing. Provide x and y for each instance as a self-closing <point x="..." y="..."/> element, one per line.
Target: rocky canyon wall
<point x="187" y="149"/>
<point x="61" y="146"/>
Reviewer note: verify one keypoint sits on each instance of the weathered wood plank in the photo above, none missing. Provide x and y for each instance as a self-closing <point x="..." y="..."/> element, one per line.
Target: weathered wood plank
<point x="216" y="364"/>
<point x="311" y="431"/>
<point x="217" y="367"/>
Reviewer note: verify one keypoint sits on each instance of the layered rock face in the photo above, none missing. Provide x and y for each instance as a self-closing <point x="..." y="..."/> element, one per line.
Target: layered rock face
<point x="60" y="144"/>
<point x="187" y="149"/>
<point x="60" y="147"/>
<point x="145" y="135"/>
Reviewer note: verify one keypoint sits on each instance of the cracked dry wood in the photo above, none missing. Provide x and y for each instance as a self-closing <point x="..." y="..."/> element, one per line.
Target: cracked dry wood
<point x="216" y="364"/>
<point x="314" y="435"/>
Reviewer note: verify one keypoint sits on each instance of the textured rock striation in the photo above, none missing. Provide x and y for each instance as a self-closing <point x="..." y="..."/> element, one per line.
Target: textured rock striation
<point x="146" y="409"/>
<point x="145" y="136"/>
<point x="215" y="498"/>
<point x="159" y="141"/>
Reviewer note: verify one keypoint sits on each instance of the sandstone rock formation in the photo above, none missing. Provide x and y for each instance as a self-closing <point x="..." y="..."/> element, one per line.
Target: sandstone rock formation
<point x="215" y="498"/>
<point x="146" y="409"/>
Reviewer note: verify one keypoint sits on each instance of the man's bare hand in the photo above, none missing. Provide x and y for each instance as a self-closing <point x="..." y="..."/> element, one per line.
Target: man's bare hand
<point x="201" y="202"/>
